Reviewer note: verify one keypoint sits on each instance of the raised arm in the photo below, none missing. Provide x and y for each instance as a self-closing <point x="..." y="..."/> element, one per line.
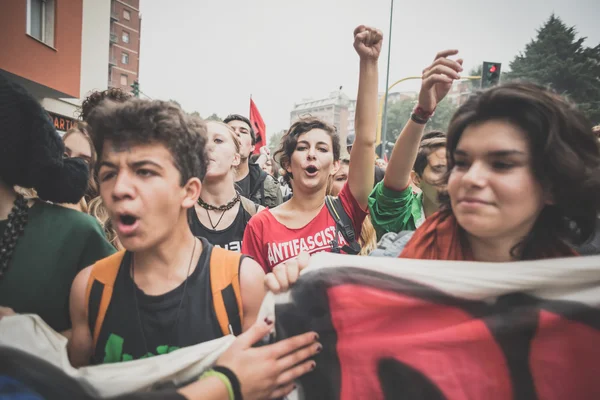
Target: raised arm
<point x="367" y="42"/>
<point x="437" y="81"/>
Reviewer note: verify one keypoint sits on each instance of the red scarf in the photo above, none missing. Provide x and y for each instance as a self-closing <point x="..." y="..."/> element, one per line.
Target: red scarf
<point x="439" y="238"/>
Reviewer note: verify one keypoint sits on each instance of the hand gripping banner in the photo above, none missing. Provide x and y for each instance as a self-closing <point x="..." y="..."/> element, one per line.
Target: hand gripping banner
<point x="412" y="329"/>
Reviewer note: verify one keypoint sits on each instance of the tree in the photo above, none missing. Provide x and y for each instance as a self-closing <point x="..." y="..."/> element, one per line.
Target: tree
<point x="195" y="114"/>
<point x="443" y="114"/>
<point x="214" y="117"/>
<point x="275" y="141"/>
<point x="399" y="114"/>
<point x="558" y="59"/>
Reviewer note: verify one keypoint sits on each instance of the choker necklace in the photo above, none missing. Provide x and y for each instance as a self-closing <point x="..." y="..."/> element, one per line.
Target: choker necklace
<point x="137" y="308"/>
<point x="15" y="227"/>
<point x="224" y="208"/>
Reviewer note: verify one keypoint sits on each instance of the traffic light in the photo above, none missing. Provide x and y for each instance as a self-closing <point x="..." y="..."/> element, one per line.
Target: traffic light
<point x="135" y="86"/>
<point x="490" y="74"/>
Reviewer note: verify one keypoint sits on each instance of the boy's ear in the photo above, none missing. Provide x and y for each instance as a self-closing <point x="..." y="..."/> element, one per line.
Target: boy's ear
<point x="191" y="192"/>
<point x="415" y="178"/>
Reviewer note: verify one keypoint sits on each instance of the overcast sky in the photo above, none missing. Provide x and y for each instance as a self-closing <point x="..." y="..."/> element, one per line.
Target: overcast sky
<point x="212" y="55"/>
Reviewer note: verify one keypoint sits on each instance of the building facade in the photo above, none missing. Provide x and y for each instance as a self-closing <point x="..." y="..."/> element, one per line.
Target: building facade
<point x="460" y="92"/>
<point x="51" y="48"/>
<point x="124" y="52"/>
<point x="392" y="98"/>
<point x="332" y="109"/>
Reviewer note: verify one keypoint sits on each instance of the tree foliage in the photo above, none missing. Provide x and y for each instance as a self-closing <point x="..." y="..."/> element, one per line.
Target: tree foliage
<point x="214" y="117"/>
<point x="557" y="58"/>
<point x="275" y="140"/>
<point x="399" y="114"/>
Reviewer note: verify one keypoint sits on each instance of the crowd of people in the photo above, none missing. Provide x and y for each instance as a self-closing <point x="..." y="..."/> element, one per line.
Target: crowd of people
<point x="177" y="234"/>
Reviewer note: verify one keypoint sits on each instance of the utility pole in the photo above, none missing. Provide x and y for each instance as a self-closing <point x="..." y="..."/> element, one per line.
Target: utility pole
<point x="387" y="81"/>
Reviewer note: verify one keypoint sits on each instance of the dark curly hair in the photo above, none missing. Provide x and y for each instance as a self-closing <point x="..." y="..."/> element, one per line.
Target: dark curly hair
<point x="153" y="121"/>
<point x="565" y="158"/>
<point x="117" y="95"/>
<point x="283" y="155"/>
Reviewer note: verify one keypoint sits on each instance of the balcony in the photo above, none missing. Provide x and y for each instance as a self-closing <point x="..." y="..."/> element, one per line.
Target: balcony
<point x="114" y="38"/>
<point x="112" y="61"/>
<point x="114" y="16"/>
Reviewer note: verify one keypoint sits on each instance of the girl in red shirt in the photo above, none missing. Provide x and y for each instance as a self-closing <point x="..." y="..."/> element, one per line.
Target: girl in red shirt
<point x="310" y="153"/>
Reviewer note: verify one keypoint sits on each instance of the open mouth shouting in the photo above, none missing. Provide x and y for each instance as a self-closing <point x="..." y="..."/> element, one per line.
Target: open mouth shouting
<point x="126" y="224"/>
<point x="311" y="171"/>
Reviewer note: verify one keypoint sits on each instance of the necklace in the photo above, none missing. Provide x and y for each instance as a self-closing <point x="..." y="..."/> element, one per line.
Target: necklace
<point x="214" y="226"/>
<point x="15" y="227"/>
<point x="137" y="308"/>
<point x="223" y="209"/>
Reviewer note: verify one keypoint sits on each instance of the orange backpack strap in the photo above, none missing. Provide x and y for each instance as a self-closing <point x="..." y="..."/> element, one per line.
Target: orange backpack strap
<point x="99" y="291"/>
<point x="225" y="286"/>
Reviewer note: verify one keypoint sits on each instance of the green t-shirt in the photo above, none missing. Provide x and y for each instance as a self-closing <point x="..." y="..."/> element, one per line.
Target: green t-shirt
<point x="393" y="211"/>
<point x="58" y="243"/>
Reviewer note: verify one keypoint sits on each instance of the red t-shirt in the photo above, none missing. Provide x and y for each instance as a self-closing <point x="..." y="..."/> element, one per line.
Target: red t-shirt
<point x="270" y="243"/>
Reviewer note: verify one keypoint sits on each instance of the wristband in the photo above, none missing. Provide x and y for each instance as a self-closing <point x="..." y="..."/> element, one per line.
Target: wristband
<point x="422" y="113"/>
<point x="235" y="383"/>
<point x="419" y="120"/>
<point x="223" y="378"/>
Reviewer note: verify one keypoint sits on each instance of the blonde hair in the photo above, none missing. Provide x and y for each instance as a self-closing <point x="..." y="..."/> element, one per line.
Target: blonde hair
<point x="97" y="210"/>
<point x="83" y="129"/>
<point x="236" y="139"/>
<point x="368" y="237"/>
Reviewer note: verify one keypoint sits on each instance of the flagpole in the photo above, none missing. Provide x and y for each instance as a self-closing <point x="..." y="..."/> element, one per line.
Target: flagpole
<point x="387" y="81"/>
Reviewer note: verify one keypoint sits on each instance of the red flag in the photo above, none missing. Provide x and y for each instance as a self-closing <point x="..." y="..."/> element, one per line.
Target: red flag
<point x="258" y="125"/>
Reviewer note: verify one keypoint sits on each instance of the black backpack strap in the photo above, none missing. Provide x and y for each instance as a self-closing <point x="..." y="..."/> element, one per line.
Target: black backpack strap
<point x="343" y="224"/>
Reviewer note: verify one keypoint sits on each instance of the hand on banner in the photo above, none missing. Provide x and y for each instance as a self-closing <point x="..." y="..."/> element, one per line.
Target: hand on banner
<point x="286" y="274"/>
<point x="367" y="42"/>
<point x="438" y="78"/>
<point x="268" y="372"/>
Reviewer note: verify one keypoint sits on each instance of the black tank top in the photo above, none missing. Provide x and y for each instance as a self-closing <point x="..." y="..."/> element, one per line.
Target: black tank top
<point x="126" y="326"/>
<point x="229" y="238"/>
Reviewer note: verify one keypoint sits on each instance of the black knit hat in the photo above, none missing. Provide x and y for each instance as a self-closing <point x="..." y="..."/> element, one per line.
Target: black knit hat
<point x="31" y="151"/>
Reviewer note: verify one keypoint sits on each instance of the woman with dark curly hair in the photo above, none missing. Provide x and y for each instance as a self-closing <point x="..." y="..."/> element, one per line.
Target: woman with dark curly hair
<point x="523" y="180"/>
<point x="310" y="154"/>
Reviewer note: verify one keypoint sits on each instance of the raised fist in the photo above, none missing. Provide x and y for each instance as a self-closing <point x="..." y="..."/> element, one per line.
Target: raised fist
<point x="367" y="42"/>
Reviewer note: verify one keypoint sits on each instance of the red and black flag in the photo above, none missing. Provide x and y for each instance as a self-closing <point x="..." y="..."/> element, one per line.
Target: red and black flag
<point x="437" y="330"/>
<point x="260" y="129"/>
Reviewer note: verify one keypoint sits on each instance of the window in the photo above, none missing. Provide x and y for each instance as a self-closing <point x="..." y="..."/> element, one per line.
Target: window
<point x="124" y="81"/>
<point x="126" y="15"/>
<point x="125" y="58"/>
<point x="125" y="37"/>
<point x="40" y="20"/>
